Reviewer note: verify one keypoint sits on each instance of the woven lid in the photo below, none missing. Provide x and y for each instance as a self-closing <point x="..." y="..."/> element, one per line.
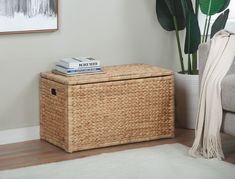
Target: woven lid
<point x="111" y="73"/>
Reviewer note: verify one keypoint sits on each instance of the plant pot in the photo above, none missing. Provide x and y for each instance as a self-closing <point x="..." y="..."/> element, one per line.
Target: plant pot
<point x="186" y="100"/>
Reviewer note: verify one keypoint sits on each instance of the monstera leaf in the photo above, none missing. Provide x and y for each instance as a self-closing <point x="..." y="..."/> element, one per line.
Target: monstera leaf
<point x="166" y="11"/>
<point x="219" y="23"/>
<point x="211" y="7"/>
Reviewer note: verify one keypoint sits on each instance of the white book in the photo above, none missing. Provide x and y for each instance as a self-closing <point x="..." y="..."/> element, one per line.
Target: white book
<point x="89" y="70"/>
<point x="87" y="62"/>
<point x="78" y="62"/>
<point x="68" y="63"/>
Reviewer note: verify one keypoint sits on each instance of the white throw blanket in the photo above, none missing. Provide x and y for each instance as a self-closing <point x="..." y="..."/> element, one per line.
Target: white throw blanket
<point x="207" y="141"/>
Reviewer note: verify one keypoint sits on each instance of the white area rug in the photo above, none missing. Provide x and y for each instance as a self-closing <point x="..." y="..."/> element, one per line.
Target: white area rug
<point x="161" y="162"/>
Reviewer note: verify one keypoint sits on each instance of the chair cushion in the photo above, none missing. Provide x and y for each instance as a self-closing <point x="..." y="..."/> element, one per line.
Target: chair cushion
<point x="228" y="93"/>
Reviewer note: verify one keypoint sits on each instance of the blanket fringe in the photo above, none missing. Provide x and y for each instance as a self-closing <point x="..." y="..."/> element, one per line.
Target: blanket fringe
<point x="212" y="148"/>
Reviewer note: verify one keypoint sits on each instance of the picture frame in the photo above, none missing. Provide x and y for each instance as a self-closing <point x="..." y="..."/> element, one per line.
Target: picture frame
<point x="28" y="16"/>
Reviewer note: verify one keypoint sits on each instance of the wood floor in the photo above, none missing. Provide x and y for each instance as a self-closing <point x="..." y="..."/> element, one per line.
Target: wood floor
<point x="40" y="152"/>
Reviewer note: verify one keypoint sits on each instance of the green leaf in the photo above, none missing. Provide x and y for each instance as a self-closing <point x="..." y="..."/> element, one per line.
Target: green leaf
<point x="187" y="7"/>
<point x="171" y="6"/>
<point x="219" y="23"/>
<point x="226" y="4"/>
<point x="211" y="7"/>
<point x="165" y="10"/>
<point x="193" y="34"/>
<point x="164" y="16"/>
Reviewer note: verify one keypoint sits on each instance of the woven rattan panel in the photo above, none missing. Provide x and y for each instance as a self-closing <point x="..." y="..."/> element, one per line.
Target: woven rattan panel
<point x="53" y="113"/>
<point x="120" y="112"/>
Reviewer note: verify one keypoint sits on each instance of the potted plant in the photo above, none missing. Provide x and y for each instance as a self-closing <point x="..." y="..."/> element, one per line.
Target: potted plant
<point x="179" y="15"/>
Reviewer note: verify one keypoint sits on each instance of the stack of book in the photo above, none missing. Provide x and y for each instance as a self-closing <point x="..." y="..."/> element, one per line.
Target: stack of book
<point x="73" y="66"/>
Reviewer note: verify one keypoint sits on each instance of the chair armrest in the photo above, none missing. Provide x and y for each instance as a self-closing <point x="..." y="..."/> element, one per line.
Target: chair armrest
<point x="204" y="50"/>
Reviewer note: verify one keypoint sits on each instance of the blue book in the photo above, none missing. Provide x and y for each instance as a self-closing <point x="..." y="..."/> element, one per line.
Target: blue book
<point x="77" y="70"/>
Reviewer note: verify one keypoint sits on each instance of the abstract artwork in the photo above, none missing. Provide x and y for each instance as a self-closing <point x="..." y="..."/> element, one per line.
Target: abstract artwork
<point x="17" y="16"/>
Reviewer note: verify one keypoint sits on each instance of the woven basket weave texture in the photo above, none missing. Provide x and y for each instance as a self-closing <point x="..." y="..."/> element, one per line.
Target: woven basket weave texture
<point x="126" y="104"/>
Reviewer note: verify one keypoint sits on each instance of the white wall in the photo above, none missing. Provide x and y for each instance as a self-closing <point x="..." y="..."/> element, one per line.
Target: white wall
<point x="113" y="31"/>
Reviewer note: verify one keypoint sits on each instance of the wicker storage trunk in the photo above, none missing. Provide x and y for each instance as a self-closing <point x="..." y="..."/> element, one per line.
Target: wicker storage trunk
<point x="125" y="104"/>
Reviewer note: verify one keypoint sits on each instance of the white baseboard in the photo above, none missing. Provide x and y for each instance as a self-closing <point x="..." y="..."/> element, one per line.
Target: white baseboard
<point x="19" y="135"/>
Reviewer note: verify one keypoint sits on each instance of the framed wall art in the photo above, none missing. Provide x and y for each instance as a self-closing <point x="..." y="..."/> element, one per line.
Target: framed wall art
<point x="22" y="16"/>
